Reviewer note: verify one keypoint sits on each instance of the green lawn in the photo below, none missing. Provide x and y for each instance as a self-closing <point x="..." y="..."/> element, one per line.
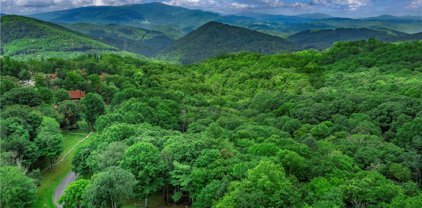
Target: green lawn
<point x="50" y="179"/>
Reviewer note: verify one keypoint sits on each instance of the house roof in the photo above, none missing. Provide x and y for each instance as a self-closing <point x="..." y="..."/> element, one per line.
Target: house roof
<point x="76" y="94"/>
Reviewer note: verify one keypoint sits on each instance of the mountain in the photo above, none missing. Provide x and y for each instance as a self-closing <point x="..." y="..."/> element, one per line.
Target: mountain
<point x="172" y="20"/>
<point x="175" y="22"/>
<point x="134" y="39"/>
<point x="214" y="39"/>
<point x="315" y="16"/>
<point x="23" y="36"/>
<point x="409" y="37"/>
<point x="391" y="17"/>
<point x="321" y="39"/>
<point x="402" y="25"/>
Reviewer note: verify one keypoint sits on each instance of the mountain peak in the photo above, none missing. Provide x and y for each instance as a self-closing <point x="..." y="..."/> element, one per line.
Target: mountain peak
<point x="213" y="24"/>
<point x="213" y="39"/>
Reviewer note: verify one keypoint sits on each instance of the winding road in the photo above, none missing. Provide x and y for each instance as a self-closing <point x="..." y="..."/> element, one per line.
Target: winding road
<point x="62" y="186"/>
<point x="70" y="177"/>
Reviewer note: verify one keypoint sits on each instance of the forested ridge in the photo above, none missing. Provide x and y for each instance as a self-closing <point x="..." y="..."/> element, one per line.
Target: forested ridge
<point x="338" y="128"/>
<point x="24" y="37"/>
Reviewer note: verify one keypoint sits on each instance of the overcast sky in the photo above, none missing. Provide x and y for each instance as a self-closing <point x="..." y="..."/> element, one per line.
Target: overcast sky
<point x="342" y="8"/>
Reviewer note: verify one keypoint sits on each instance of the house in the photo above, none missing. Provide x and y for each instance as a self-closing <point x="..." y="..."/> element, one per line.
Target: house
<point x="76" y="94"/>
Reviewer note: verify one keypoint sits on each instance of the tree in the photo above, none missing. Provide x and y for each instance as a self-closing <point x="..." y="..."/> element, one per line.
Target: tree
<point x="71" y="112"/>
<point x="46" y="95"/>
<point x="24" y="75"/>
<point x="399" y="172"/>
<point x="50" y="145"/>
<point x="110" y="156"/>
<point x="369" y="189"/>
<point x="93" y="107"/>
<point x="144" y="161"/>
<point x="293" y="163"/>
<point x="61" y="95"/>
<point x="209" y="195"/>
<point x="29" y="118"/>
<point x="265" y="186"/>
<point x="409" y="136"/>
<point x="109" y="188"/>
<point x="22" y="96"/>
<point x="7" y="83"/>
<point x="16" y="190"/>
<point x="10" y="66"/>
<point x="72" y="196"/>
<point x="79" y="162"/>
<point x="14" y="138"/>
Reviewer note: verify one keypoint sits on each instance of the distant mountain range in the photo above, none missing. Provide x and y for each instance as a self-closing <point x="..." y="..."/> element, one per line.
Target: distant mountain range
<point x="176" y="22"/>
<point x="187" y="36"/>
<point x="321" y="39"/>
<point x="214" y="39"/>
<point x="173" y="21"/>
<point x="23" y="36"/>
<point x="134" y="39"/>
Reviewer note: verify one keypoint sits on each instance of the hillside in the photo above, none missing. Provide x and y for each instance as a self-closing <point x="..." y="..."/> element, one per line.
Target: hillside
<point x="340" y="128"/>
<point x="321" y="39"/>
<point x="214" y="39"/>
<point x="174" y="21"/>
<point x="392" y="23"/>
<point x="134" y="39"/>
<point x="23" y="36"/>
<point x="409" y="37"/>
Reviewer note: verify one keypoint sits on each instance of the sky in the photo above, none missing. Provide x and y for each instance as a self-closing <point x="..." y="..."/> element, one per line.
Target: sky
<point x="339" y="8"/>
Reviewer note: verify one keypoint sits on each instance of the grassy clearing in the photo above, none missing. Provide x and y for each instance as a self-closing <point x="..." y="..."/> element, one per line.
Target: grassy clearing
<point x="50" y="179"/>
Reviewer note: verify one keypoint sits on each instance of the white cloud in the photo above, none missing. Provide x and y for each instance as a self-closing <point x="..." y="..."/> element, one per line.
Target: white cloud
<point x="415" y="4"/>
<point x="299" y="5"/>
<point x="273" y="3"/>
<point x="341" y="4"/>
<point x="240" y="5"/>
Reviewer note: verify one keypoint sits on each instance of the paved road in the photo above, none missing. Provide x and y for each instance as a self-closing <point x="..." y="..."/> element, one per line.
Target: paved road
<point x="71" y="176"/>
<point x="62" y="186"/>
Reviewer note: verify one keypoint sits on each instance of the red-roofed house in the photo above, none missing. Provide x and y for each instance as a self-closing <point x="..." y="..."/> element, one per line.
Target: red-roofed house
<point x="76" y="94"/>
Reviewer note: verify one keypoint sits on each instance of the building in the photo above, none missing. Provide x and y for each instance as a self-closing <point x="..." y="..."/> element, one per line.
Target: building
<point x="76" y="94"/>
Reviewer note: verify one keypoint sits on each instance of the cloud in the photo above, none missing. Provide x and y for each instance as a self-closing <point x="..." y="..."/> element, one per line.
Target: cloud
<point x="415" y="4"/>
<point x="341" y="4"/>
<point x="273" y="3"/>
<point x="240" y="5"/>
<point x="299" y="5"/>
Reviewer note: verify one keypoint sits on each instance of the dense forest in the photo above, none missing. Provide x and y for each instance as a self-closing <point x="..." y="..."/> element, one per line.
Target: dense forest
<point x="337" y="128"/>
<point x="28" y="37"/>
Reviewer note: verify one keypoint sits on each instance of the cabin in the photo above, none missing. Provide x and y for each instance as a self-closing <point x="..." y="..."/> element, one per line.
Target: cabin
<point x="76" y="94"/>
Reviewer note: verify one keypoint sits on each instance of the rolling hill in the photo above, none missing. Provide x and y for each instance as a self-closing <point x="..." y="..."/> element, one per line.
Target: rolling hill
<point x="176" y="22"/>
<point x="409" y="37"/>
<point x="214" y="39"/>
<point x="171" y="20"/>
<point x="23" y="36"/>
<point x="401" y="24"/>
<point x="134" y="39"/>
<point x="321" y="39"/>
